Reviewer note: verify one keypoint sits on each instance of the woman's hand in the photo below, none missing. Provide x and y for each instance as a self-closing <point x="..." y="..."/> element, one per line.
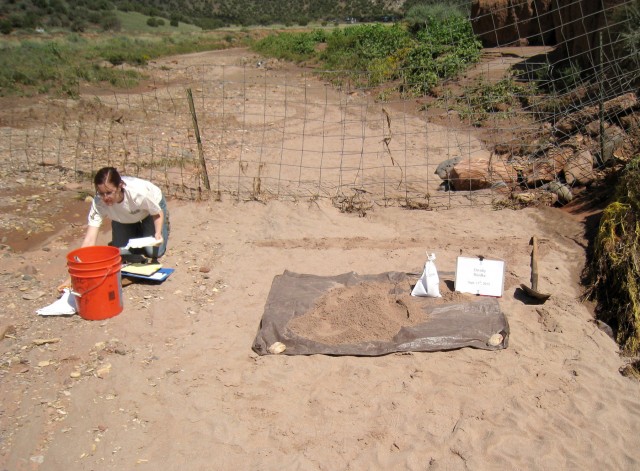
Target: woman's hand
<point x="159" y="240"/>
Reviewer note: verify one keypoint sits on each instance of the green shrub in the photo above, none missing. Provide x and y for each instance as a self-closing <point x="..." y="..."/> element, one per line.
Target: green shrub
<point x="294" y="47"/>
<point x="482" y="99"/>
<point x="109" y="22"/>
<point x="355" y="46"/>
<point x="423" y="13"/>
<point x="444" y="49"/>
<point x="5" y="26"/>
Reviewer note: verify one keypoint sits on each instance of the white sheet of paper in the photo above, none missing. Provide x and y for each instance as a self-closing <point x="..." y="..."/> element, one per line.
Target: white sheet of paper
<point x="142" y="242"/>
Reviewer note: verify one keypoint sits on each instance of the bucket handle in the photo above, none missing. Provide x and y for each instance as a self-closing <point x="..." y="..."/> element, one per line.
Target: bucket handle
<point x="79" y="295"/>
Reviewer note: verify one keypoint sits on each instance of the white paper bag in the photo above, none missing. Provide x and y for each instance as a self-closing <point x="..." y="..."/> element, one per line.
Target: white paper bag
<point x="429" y="283"/>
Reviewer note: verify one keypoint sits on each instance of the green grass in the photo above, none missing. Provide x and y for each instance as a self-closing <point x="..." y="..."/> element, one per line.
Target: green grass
<point x="58" y="66"/>
<point x="419" y="57"/>
<point x="133" y="22"/>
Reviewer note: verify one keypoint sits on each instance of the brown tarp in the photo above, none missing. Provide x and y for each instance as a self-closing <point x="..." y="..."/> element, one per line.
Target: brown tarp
<point x="448" y="326"/>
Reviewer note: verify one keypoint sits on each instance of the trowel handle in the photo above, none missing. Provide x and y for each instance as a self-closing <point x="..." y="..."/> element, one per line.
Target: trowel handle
<point x="534" y="264"/>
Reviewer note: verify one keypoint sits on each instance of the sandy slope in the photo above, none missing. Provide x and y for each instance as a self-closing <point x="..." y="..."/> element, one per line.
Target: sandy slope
<point x="185" y="390"/>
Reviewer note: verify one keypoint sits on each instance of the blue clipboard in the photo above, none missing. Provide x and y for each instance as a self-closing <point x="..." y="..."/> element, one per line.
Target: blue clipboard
<point x="157" y="277"/>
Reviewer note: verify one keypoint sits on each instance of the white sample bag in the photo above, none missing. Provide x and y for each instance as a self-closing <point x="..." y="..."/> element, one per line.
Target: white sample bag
<point x="65" y="306"/>
<point x="429" y="283"/>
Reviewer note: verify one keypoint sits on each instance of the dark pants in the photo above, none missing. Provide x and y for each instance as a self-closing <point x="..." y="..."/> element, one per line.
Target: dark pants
<point x="121" y="233"/>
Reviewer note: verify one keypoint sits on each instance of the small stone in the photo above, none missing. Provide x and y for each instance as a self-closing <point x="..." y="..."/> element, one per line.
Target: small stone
<point x="495" y="340"/>
<point x="29" y="270"/>
<point x="204" y="269"/>
<point x="33" y="295"/>
<point x="45" y="341"/>
<point x="75" y="374"/>
<point x="277" y="348"/>
<point x="103" y="370"/>
<point x="7" y="331"/>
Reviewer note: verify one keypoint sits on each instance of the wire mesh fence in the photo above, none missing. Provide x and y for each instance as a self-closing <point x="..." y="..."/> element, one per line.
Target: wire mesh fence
<point x="234" y="125"/>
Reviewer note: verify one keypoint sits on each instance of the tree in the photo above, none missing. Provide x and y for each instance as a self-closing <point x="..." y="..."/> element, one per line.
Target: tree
<point x="5" y="26"/>
<point x="110" y="22"/>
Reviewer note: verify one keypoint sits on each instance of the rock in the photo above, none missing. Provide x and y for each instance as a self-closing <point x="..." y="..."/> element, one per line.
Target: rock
<point x="576" y="39"/>
<point x="444" y="168"/>
<point x="613" y="140"/>
<point x="29" y="270"/>
<point x="541" y="22"/>
<point x="104" y="370"/>
<point x="613" y="107"/>
<point x="605" y="328"/>
<point x="508" y="22"/>
<point x="7" y="331"/>
<point x="277" y="348"/>
<point x="480" y="173"/>
<point x="46" y="341"/>
<point x="495" y="340"/>
<point x="593" y="128"/>
<point x="546" y="167"/>
<point x="33" y="295"/>
<point x="578" y="170"/>
<point x="564" y="193"/>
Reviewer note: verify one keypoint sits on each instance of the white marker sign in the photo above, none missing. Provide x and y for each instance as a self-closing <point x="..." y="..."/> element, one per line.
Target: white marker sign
<point x="480" y="276"/>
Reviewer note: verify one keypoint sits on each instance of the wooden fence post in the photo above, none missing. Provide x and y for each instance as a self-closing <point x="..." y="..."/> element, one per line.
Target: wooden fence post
<point x="203" y="164"/>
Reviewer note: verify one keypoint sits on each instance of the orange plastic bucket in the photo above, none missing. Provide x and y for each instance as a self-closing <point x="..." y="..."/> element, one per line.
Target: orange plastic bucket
<point x="96" y="281"/>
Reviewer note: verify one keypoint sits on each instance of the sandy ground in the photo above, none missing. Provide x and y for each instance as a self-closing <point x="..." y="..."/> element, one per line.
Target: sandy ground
<point x="172" y="383"/>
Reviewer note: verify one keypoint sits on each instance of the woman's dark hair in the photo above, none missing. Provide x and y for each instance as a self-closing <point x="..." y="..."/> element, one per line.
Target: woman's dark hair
<point x="107" y="175"/>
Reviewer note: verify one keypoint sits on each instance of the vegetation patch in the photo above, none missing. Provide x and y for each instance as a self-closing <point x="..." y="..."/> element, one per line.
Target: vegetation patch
<point x="137" y="22"/>
<point x="35" y="66"/>
<point x="413" y="57"/>
<point x="614" y="271"/>
<point x="484" y="100"/>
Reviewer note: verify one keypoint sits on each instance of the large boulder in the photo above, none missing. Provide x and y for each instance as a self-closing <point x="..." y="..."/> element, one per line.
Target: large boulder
<point x="572" y="25"/>
<point x="512" y="22"/>
<point x="577" y="25"/>
<point x="477" y="173"/>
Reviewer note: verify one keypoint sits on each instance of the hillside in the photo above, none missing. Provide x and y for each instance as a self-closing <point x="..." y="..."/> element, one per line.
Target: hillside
<point x="81" y="15"/>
